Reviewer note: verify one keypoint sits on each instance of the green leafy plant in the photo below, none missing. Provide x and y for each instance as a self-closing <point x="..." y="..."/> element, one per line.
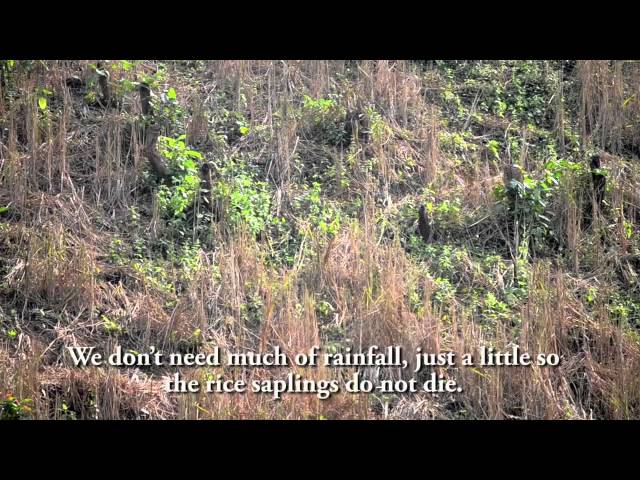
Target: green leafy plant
<point x="320" y="213"/>
<point x="493" y="308"/>
<point x="186" y="256"/>
<point x="67" y="413"/>
<point x="12" y="408"/>
<point x="324" y="118"/>
<point x="378" y="127"/>
<point x="185" y="180"/>
<point x="444" y="292"/>
<point x="111" y="326"/>
<point x="494" y="148"/>
<point x="532" y="197"/>
<point x="247" y="200"/>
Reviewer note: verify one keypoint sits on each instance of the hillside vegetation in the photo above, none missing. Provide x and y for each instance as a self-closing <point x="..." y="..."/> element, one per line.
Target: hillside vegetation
<point x="252" y="204"/>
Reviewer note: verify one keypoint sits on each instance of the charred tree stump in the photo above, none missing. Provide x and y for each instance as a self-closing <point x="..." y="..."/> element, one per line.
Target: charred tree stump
<point x="159" y="167"/>
<point x="74" y="83"/>
<point x="599" y="182"/>
<point x="424" y="225"/>
<point x="103" y="82"/>
<point x="207" y="178"/>
<point x="145" y="99"/>
<point x="595" y="195"/>
<point x="512" y="174"/>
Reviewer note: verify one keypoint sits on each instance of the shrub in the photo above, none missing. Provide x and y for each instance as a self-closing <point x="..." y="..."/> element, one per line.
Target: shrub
<point x="185" y="179"/>
<point x="12" y="408"/>
<point x="324" y="119"/>
<point x="246" y="199"/>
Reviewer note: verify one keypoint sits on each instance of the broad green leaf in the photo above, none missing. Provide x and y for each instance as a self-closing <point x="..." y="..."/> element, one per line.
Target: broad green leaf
<point x="42" y="103"/>
<point x="171" y="94"/>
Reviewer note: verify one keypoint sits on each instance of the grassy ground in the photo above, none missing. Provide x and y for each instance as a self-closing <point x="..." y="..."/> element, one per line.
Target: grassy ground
<point x="286" y="214"/>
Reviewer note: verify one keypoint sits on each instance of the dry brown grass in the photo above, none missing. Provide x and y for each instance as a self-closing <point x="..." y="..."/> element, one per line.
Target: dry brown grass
<point x="71" y="179"/>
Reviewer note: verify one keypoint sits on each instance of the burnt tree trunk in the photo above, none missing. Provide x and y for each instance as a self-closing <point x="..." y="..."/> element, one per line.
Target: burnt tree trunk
<point x="103" y="82"/>
<point x="160" y="168"/>
<point x="599" y="182"/>
<point x="424" y="225"/>
<point x="512" y="174"/>
<point x="145" y="99"/>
